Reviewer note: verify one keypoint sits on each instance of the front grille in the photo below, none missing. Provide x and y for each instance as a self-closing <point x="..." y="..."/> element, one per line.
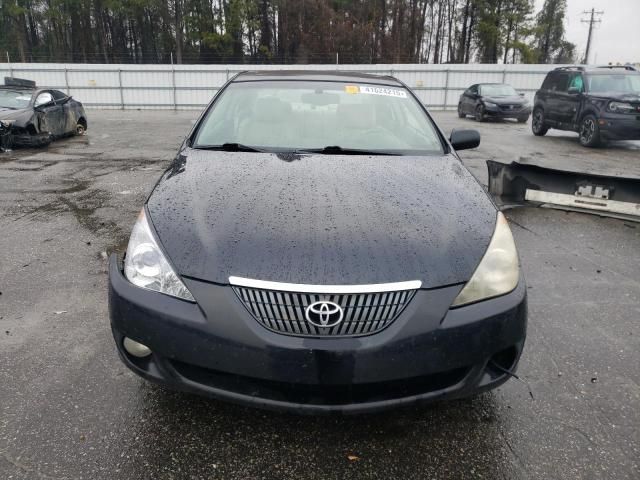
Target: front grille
<point x="511" y="108"/>
<point x="285" y="311"/>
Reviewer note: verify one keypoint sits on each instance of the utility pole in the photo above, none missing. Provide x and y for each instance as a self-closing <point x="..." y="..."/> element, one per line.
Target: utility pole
<point x="591" y="21"/>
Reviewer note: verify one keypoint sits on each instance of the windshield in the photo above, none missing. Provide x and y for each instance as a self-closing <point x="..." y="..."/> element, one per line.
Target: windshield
<point x="619" y="83"/>
<point x="497" y="91"/>
<point x="14" y="98"/>
<point x="299" y="115"/>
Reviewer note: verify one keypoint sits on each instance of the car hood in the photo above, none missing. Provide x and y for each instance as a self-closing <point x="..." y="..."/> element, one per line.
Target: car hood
<point x="618" y="96"/>
<point x="10" y="114"/>
<point x="321" y="219"/>
<point x="509" y="100"/>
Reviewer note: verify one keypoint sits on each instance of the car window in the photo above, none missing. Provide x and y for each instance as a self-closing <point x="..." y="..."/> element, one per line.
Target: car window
<point x="58" y="95"/>
<point x="43" y="99"/>
<point x="10" y="98"/>
<point x="497" y="90"/>
<point x="577" y="82"/>
<point x="556" y="82"/>
<point x="614" y="83"/>
<point x="546" y="85"/>
<point x="473" y="90"/>
<point x="559" y="82"/>
<point x="291" y="115"/>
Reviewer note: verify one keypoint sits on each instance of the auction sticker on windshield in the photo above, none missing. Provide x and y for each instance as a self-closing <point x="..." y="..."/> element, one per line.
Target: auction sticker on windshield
<point x="369" y="90"/>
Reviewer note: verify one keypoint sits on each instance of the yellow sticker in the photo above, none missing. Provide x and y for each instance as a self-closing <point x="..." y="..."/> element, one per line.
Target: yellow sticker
<point x="351" y="89"/>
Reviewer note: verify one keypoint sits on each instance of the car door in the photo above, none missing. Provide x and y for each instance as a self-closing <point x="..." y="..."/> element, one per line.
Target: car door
<point x="69" y="114"/>
<point x="50" y="115"/>
<point x="568" y="100"/>
<point x="556" y="94"/>
<point x="470" y="96"/>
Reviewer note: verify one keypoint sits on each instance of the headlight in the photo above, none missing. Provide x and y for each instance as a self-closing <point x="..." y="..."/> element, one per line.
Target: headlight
<point x="490" y="104"/>
<point x="145" y="265"/>
<point x="498" y="271"/>
<point x="621" y="107"/>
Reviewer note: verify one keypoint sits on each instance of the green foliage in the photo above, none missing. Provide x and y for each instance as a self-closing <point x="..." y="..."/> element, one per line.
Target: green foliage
<point x="283" y="31"/>
<point x="549" y="40"/>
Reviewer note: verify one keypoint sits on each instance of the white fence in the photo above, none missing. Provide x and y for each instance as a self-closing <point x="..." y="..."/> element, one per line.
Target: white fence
<point x="192" y="86"/>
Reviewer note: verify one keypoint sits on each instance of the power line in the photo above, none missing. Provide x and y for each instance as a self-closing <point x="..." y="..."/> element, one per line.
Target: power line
<point x="591" y="21"/>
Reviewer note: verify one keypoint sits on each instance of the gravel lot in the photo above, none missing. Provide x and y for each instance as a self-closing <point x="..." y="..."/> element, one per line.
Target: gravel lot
<point x="70" y="410"/>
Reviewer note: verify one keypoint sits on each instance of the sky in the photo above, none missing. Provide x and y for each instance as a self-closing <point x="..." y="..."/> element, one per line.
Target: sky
<point x="616" y="39"/>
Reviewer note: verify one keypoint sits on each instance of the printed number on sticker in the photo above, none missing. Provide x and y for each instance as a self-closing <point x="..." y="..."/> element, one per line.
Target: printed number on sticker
<point x="389" y="92"/>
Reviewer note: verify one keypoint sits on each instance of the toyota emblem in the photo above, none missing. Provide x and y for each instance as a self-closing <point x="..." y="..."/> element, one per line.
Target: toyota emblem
<point x="324" y="314"/>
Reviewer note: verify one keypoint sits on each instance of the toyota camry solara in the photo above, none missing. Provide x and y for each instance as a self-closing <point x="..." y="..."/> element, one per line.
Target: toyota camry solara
<point x="317" y="245"/>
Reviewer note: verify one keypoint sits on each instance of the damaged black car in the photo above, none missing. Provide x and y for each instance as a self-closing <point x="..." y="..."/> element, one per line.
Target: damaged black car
<point x="33" y="117"/>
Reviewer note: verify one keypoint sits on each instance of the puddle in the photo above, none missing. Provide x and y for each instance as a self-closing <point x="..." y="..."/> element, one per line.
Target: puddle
<point x="38" y="168"/>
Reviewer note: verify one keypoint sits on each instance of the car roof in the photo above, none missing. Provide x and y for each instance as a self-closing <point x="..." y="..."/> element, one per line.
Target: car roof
<point x="19" y="87"/>
<point x="317" y="75"/>
<point x="599" y="70"/>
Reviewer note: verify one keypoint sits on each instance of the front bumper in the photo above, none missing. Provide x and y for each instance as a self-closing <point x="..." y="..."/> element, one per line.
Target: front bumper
<point x="620" y="126"/>
<point x="497" y="112"/>
<point x="216" y="348"/>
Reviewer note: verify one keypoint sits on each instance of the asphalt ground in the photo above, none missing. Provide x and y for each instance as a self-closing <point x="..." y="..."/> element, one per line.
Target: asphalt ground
<point x="70" y="410"/>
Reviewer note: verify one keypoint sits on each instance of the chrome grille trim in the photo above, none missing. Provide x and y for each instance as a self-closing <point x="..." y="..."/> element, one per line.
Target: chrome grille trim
<point x="365" y="312"/>
<point x="324" y="289"/>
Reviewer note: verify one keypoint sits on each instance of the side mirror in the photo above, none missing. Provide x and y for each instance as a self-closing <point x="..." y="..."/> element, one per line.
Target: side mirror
<point x="574" y="91"/>
<point x="521" y="94"/>
<point x="464" y="139"/>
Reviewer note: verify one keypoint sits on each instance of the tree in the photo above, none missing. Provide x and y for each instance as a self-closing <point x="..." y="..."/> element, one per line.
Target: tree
<point x="283" y="31"/>
<point x="549" y="31"/>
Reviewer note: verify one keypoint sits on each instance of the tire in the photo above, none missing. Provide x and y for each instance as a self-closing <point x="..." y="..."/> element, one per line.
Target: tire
<point x="461" y="114"/>
<point x="81" y="126"/>
<point x="523" y="119"/>
<point x="589" y="133"/>
<point x="480" y="116"/>
<point x="538" y="125"/>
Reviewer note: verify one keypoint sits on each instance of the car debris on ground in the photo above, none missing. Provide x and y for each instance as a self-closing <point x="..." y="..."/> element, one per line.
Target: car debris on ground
<point x="518" y="184"/>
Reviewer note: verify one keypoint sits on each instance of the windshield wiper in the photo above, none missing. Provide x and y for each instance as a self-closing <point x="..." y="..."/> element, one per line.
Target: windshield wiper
<point x="229" y="147"/>
<point x="338" y="150"/>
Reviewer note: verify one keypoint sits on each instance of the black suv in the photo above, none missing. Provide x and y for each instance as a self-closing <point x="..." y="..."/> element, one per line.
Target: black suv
<point x="600" y="103"/>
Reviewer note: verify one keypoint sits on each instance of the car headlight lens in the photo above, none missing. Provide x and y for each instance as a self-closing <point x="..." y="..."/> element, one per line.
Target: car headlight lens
<point x="621" y="107"/>
<point x="490" y="104"/>
<point x="146" y="266"/>
<point x="498" y="271"/>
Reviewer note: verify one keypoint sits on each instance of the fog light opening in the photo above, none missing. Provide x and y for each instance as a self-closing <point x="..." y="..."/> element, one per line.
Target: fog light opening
<point x="503" y="362"/>
<point x="505" y="359"/>
<point x="136" y="349"/>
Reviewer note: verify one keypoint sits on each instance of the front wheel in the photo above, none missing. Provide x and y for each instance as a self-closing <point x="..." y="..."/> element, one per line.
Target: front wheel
<point x="461" y="114"/>
<point x="480" y="116"/>
<point x="589" y="132"/>
<point x="538" y="125"/>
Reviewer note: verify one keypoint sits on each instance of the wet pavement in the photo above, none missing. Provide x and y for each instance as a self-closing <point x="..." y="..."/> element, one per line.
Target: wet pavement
<point x="70" y="410"/>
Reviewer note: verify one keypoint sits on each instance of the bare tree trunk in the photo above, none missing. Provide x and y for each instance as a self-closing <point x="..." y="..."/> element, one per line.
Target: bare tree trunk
<point x="179" y="28"/>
